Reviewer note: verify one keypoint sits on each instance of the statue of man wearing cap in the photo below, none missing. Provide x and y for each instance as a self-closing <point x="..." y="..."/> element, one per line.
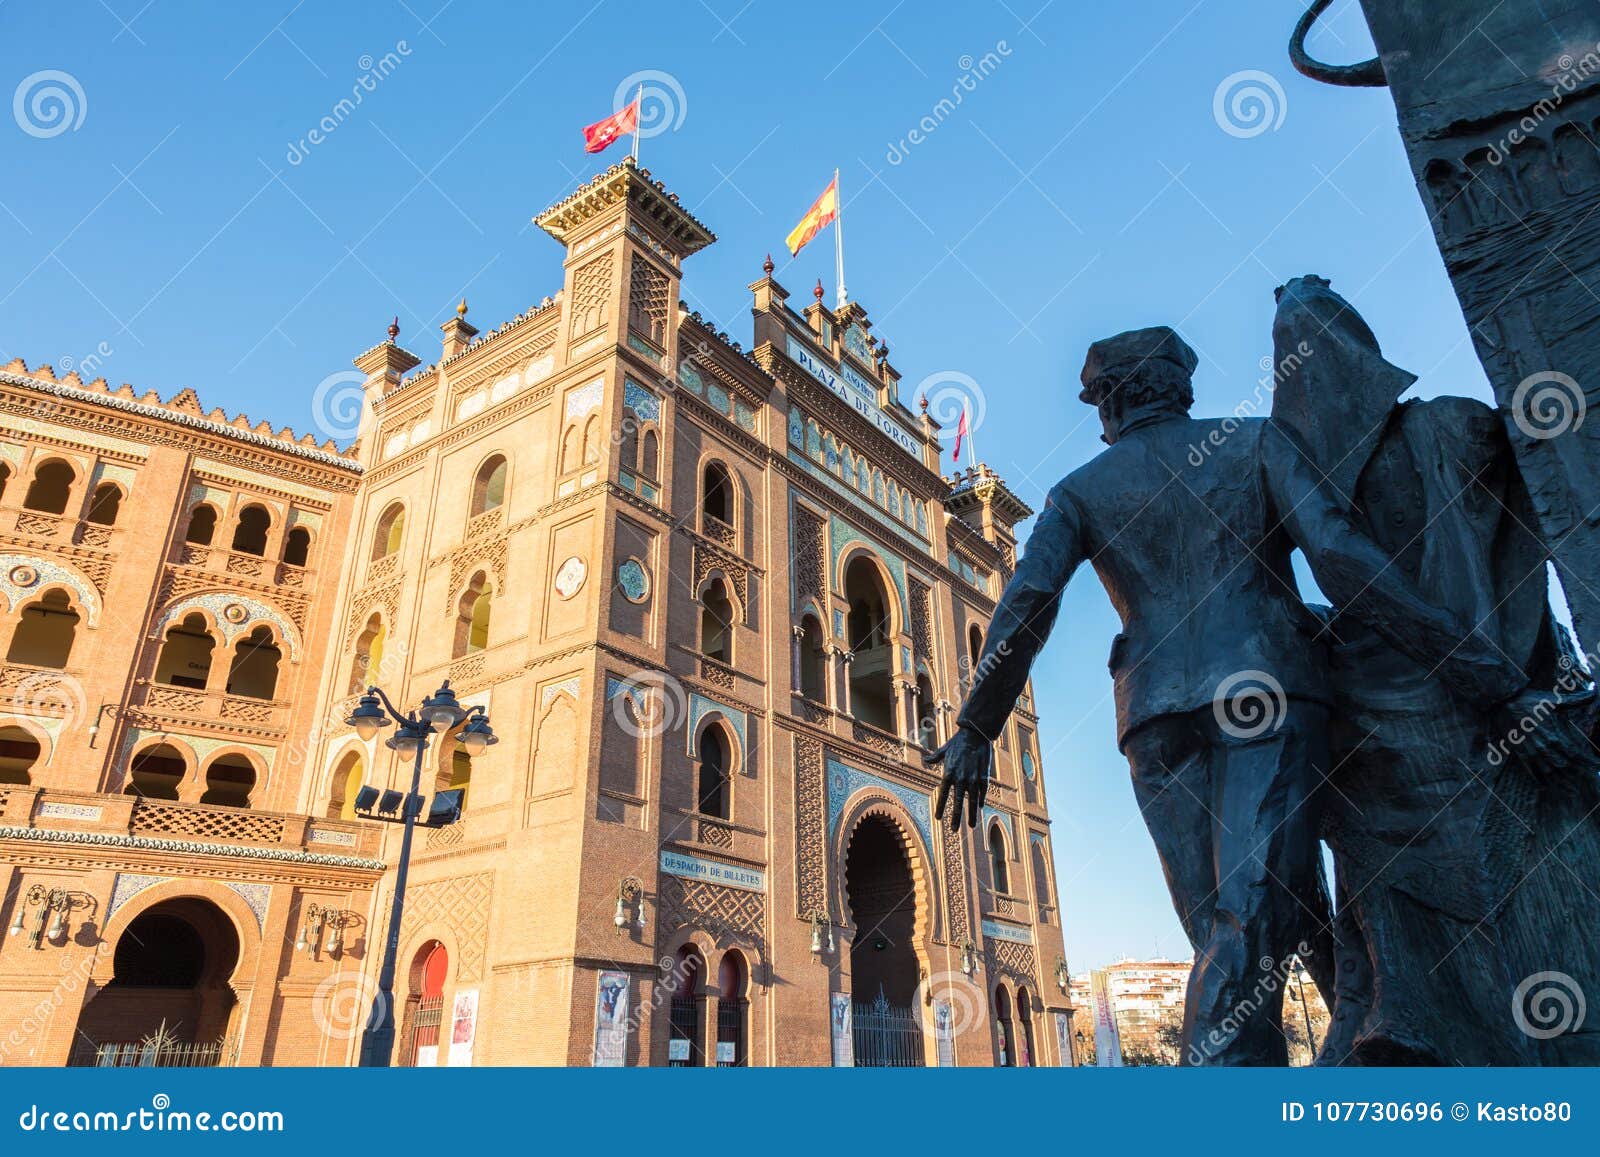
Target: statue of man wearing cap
<point x="1222" y="690"/>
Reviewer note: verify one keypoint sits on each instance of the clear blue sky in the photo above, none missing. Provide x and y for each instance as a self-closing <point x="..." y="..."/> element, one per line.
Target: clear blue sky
<point x="1082" y="187"/>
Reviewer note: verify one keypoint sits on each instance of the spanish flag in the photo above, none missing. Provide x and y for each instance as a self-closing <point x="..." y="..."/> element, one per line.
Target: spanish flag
<point x="817" y="218"/>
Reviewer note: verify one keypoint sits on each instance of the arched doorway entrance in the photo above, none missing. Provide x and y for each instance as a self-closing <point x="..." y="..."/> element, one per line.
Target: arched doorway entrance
<point x="685" y="1016"/>
<point x="169" y="1002"/>
<point x="425" y="1006"/>
<point x="884" y="969"/>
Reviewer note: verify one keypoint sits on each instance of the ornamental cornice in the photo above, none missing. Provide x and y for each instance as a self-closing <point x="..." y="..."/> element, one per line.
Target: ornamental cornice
<point x="188" y="847"/>
<point x="194" y="422"/>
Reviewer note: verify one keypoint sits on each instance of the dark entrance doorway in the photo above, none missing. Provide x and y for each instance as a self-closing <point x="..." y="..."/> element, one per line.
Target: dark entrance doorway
<point x="169" y="1001"/>
<point x="884" y="970"/>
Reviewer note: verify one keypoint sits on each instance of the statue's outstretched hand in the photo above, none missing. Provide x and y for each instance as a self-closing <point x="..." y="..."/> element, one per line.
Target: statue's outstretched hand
<point x="1545" y="730"/>
<point x="967" y="758"/>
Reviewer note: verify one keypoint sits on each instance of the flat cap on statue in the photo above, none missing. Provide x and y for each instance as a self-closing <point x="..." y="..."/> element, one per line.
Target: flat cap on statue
<point x="1125" y="352"/>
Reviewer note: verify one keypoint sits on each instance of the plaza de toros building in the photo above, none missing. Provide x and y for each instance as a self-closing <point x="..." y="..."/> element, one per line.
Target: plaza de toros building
<point x="716" y="602"/>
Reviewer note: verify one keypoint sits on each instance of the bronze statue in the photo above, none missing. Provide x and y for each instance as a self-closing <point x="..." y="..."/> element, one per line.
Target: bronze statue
<point x="1499" y="109"/>
<point x="1221" y="683"/>
<point x="1462" y="868"/>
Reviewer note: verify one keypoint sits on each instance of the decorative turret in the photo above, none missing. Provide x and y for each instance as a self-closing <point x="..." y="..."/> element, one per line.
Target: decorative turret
<point x="981" y="499"/>
<point x="458" y="332"/>
<point x="384" y="364"/>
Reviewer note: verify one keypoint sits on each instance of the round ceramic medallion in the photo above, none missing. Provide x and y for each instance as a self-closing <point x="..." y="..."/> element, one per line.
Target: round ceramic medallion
<point x="235" y="613"/>
<point x="24" y="575"/>
<point x="634" y="580"/>
<point x="570" y="576"/>
<point x="1027" y="764"/>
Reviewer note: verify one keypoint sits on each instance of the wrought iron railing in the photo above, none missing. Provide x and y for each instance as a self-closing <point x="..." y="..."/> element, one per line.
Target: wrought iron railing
<point x="886" y="1036"/>
<point x="154" y="1053"/>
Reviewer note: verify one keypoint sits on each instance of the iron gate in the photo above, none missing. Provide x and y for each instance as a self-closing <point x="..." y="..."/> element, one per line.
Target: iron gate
<point x="886" y="1035"/>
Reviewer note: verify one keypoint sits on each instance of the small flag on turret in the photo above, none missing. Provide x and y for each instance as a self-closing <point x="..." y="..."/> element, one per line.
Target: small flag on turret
<point x="962" y="431"/>
<point x="602" y="134"/>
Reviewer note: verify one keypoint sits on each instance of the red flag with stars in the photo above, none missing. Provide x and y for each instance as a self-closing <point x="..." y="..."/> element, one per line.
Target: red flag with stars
<point x="602" y="134"/>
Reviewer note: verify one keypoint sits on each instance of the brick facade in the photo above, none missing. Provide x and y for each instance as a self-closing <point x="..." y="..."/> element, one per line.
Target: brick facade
<point x="714" y="602"/>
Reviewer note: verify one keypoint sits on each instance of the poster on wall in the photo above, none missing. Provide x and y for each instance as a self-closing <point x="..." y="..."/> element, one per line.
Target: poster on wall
<point x="844" y="1049"/>
<point x="1064" y="1056"/>
<point x="611" y="1021"/>
<point x="944" y="1033"/>
<point x="463" y="1029"/>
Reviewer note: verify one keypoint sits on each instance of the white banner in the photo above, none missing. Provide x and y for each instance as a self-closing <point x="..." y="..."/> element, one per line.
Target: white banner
<point x="611" y="1021"/>
<point x="844" y="1045"/>
<point x="1107" y="1041"/>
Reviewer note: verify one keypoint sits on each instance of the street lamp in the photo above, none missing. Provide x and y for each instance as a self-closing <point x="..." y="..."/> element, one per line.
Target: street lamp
<point x="53" y="905"/>
<point x="969" y="956"/>
<point x="821" y="935"/>
<point x="440" y="713"/>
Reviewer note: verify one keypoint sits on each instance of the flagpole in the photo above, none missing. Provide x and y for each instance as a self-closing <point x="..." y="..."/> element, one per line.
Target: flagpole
<point x="637" y="117"/>
<point x="838" y="236"/>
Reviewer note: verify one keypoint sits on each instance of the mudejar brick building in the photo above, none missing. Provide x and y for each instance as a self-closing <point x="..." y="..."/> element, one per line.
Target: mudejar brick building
<point x="717" y="602"/>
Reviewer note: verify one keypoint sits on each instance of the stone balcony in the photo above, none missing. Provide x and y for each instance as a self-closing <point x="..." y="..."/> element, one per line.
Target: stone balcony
<point x="96" y="818"/>
<point x="251" y="567"/>
<point x="211" y="706"/>
<point x="59" y="529"/>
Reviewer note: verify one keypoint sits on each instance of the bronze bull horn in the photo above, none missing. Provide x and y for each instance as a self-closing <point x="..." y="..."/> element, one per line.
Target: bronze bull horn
<point x="1368" y="74"/>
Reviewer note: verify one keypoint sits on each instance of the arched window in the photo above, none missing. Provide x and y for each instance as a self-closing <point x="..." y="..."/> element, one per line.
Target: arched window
<point x="472" y="616"/>
<point x="460" y="777"/>
<point x="390" y="530"/>
<point x="716" y="621"/>
<point x="570" y="448"/>
<point x="51" y="487"/>
<point x="716" y="496"/>
<point x="926" y="713"/>
<point x="156" y="772"/>
<point x="254" y="670"/>
<point x="45" y="632"/>
<point x="250" y="535"/>
<point x="712" y="786"/>
<point x="185" y="659"/>
<point x="106" y="504"/>
<point x="229" y="781"/>
<point x="628" y="441"/>
<point x="1006" y="1038"/>
<point x="813" y="661"/>
<point x="489" y="485"/>
<point x="365" y="666"/>
<point x="1025" y="1017"/>
<point x="5" y="477"/>
<point x="346" y="783"/>
<point x="685" y="1047"/>
<point x="733" y="1011"/>
<point x="591" y="441"/>
<point x="974" y="651"/>
<point x="1041" y="875"/>
<point x="997" y="861"/>
<point x="297" y="546"/>
<point x="19" y="752"/>
<point x="871" y="668"/>
<point x="650" y="454"/>
<point x="202" y="525"/>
